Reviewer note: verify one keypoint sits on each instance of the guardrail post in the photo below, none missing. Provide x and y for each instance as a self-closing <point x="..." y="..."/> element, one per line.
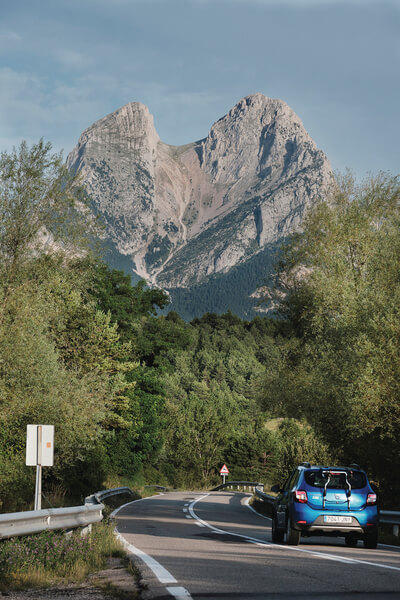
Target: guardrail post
<point x="396" y="530"/>
<point x="85" y="531"/>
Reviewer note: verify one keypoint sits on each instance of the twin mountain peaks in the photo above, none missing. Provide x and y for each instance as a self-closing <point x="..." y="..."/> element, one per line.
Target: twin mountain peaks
<point x="204" y="220"/>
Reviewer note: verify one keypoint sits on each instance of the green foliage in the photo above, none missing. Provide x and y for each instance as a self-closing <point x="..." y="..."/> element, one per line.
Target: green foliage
<point x="210" y="371"/>
<point x="296" y="442"/>
<point x="126" y="303"/>
<point x="227" y="291"/>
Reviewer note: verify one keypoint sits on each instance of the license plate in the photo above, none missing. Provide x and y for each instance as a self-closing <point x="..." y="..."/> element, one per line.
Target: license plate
<point x="335" y="519"/>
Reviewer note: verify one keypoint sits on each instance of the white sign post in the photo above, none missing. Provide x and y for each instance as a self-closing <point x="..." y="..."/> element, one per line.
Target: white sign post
<point x="224" y="471"/>
<point x="39" y="453"/>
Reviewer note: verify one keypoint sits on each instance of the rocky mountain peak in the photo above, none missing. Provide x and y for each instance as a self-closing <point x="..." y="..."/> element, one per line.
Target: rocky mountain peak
<point x="183" y="214"/>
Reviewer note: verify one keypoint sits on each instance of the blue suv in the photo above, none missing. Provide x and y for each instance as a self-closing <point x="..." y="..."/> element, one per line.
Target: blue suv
<point x="328" y="501"/>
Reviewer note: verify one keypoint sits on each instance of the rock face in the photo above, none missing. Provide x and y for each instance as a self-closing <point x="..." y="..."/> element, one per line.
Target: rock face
<point x="184" y="214"/>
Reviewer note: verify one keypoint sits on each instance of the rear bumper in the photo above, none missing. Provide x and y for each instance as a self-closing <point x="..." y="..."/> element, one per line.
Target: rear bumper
<point x="331" y="530"/>
<point x="361" y="520"/>
<point x="320" y="527"/>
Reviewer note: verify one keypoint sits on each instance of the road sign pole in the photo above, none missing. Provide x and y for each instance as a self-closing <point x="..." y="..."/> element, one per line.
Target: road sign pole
<point x="38" y="487"/>
<point x="223" y="479"/>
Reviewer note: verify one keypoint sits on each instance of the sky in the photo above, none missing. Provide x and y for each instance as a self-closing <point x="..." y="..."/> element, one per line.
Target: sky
<point x="66" y="63"/>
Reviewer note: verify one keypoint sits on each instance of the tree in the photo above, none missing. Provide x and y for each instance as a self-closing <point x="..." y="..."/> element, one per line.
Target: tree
<point x="42" y="207"/>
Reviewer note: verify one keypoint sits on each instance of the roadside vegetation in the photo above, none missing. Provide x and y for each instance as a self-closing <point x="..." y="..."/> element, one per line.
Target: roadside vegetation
<point x="145" y="398"/>
<point x="51" y="557"/>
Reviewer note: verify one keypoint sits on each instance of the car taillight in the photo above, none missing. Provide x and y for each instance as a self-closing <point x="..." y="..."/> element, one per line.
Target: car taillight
<point x="300" y="496"/>
<point x="371" y="499"/>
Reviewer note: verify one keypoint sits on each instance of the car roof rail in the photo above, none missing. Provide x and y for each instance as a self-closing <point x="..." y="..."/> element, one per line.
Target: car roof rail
<point x="354" y="466"/>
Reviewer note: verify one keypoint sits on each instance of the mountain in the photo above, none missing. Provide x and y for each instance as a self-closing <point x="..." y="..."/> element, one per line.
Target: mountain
<point x="202" y="220"/>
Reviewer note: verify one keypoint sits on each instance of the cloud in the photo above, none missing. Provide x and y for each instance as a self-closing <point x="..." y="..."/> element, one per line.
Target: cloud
<point x="71" y="59"/>
<point x="9" y="36"/>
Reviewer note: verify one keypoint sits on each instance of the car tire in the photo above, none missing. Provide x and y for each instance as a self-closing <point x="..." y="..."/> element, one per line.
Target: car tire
<point x="350" y="540"/>
<point x="371" y="540"/>
<point x="292" y="535"/>
<point x="277" y="534"/>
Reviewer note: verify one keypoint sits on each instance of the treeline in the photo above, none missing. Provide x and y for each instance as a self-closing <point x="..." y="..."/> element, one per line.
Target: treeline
<point x="228" y="291"/>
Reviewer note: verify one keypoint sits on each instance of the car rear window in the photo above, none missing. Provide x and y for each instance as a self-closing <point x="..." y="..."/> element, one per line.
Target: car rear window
<point x="337" y="481"/>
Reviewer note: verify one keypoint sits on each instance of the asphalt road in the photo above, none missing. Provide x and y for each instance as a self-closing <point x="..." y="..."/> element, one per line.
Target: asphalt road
<point x="213" y="546"/>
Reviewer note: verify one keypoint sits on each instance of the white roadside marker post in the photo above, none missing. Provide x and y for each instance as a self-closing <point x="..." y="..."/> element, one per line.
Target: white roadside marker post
<point x="39" y="453"/>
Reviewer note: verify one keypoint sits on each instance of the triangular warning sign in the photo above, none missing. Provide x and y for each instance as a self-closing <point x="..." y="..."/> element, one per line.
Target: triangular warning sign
<point x="224" y="470"/>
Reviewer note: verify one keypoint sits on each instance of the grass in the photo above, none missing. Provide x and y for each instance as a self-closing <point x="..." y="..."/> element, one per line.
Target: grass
<point x="51" y="557"/>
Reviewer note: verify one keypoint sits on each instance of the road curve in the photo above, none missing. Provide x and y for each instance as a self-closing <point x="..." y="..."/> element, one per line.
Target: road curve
<point x="212" y="546"/>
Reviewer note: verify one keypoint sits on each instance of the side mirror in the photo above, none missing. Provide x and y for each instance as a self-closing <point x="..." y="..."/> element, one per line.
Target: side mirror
<point x="276" y="488"/>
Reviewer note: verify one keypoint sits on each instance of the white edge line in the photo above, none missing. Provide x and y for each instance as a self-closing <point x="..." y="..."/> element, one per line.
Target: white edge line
<point x="333" y="557"/>
<point x="246" y="502"/>
<point x="114" y="512"/>
<point x="159" y="571"/>
<point x="180" y="593"/>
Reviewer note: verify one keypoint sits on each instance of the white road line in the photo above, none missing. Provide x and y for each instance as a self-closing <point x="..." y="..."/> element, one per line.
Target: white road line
<point x="246" y="502"/>
<point x="159" y="571"/>
<point x="180" y="593"/>
<point x="334" y="557"/>
<point x="163" y="576"/>
<point x="131" y="502"/>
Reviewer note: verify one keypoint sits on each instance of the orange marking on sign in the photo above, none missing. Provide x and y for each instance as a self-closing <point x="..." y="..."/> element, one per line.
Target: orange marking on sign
<point x="48" y="445"/>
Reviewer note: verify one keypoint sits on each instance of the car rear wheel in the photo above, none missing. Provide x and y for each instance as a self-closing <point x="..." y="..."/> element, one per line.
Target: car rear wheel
<point x="277" y="534"/>
<point x="371" y="539"/>
<point x="350" y="540"/>
<point x="292" y="535"/>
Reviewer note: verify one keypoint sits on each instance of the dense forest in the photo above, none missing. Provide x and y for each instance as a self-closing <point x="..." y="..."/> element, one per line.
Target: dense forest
<point x="139" y="396"/>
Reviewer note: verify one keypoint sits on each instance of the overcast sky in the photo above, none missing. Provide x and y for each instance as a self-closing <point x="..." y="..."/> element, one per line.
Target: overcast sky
<point x="66" y="63"/>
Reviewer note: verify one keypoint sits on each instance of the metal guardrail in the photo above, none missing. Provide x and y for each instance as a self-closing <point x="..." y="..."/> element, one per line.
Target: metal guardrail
<point x="34" y="521"/>
<point x="266" y="497"/>
<point x="103" y="494"/>
<point x="391" y="517"/>
<point x="159" y="488"/>
<point x="252" y="485"/>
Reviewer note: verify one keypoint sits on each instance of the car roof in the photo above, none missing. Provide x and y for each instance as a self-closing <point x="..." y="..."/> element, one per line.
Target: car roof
<point x="330" y="468"/>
